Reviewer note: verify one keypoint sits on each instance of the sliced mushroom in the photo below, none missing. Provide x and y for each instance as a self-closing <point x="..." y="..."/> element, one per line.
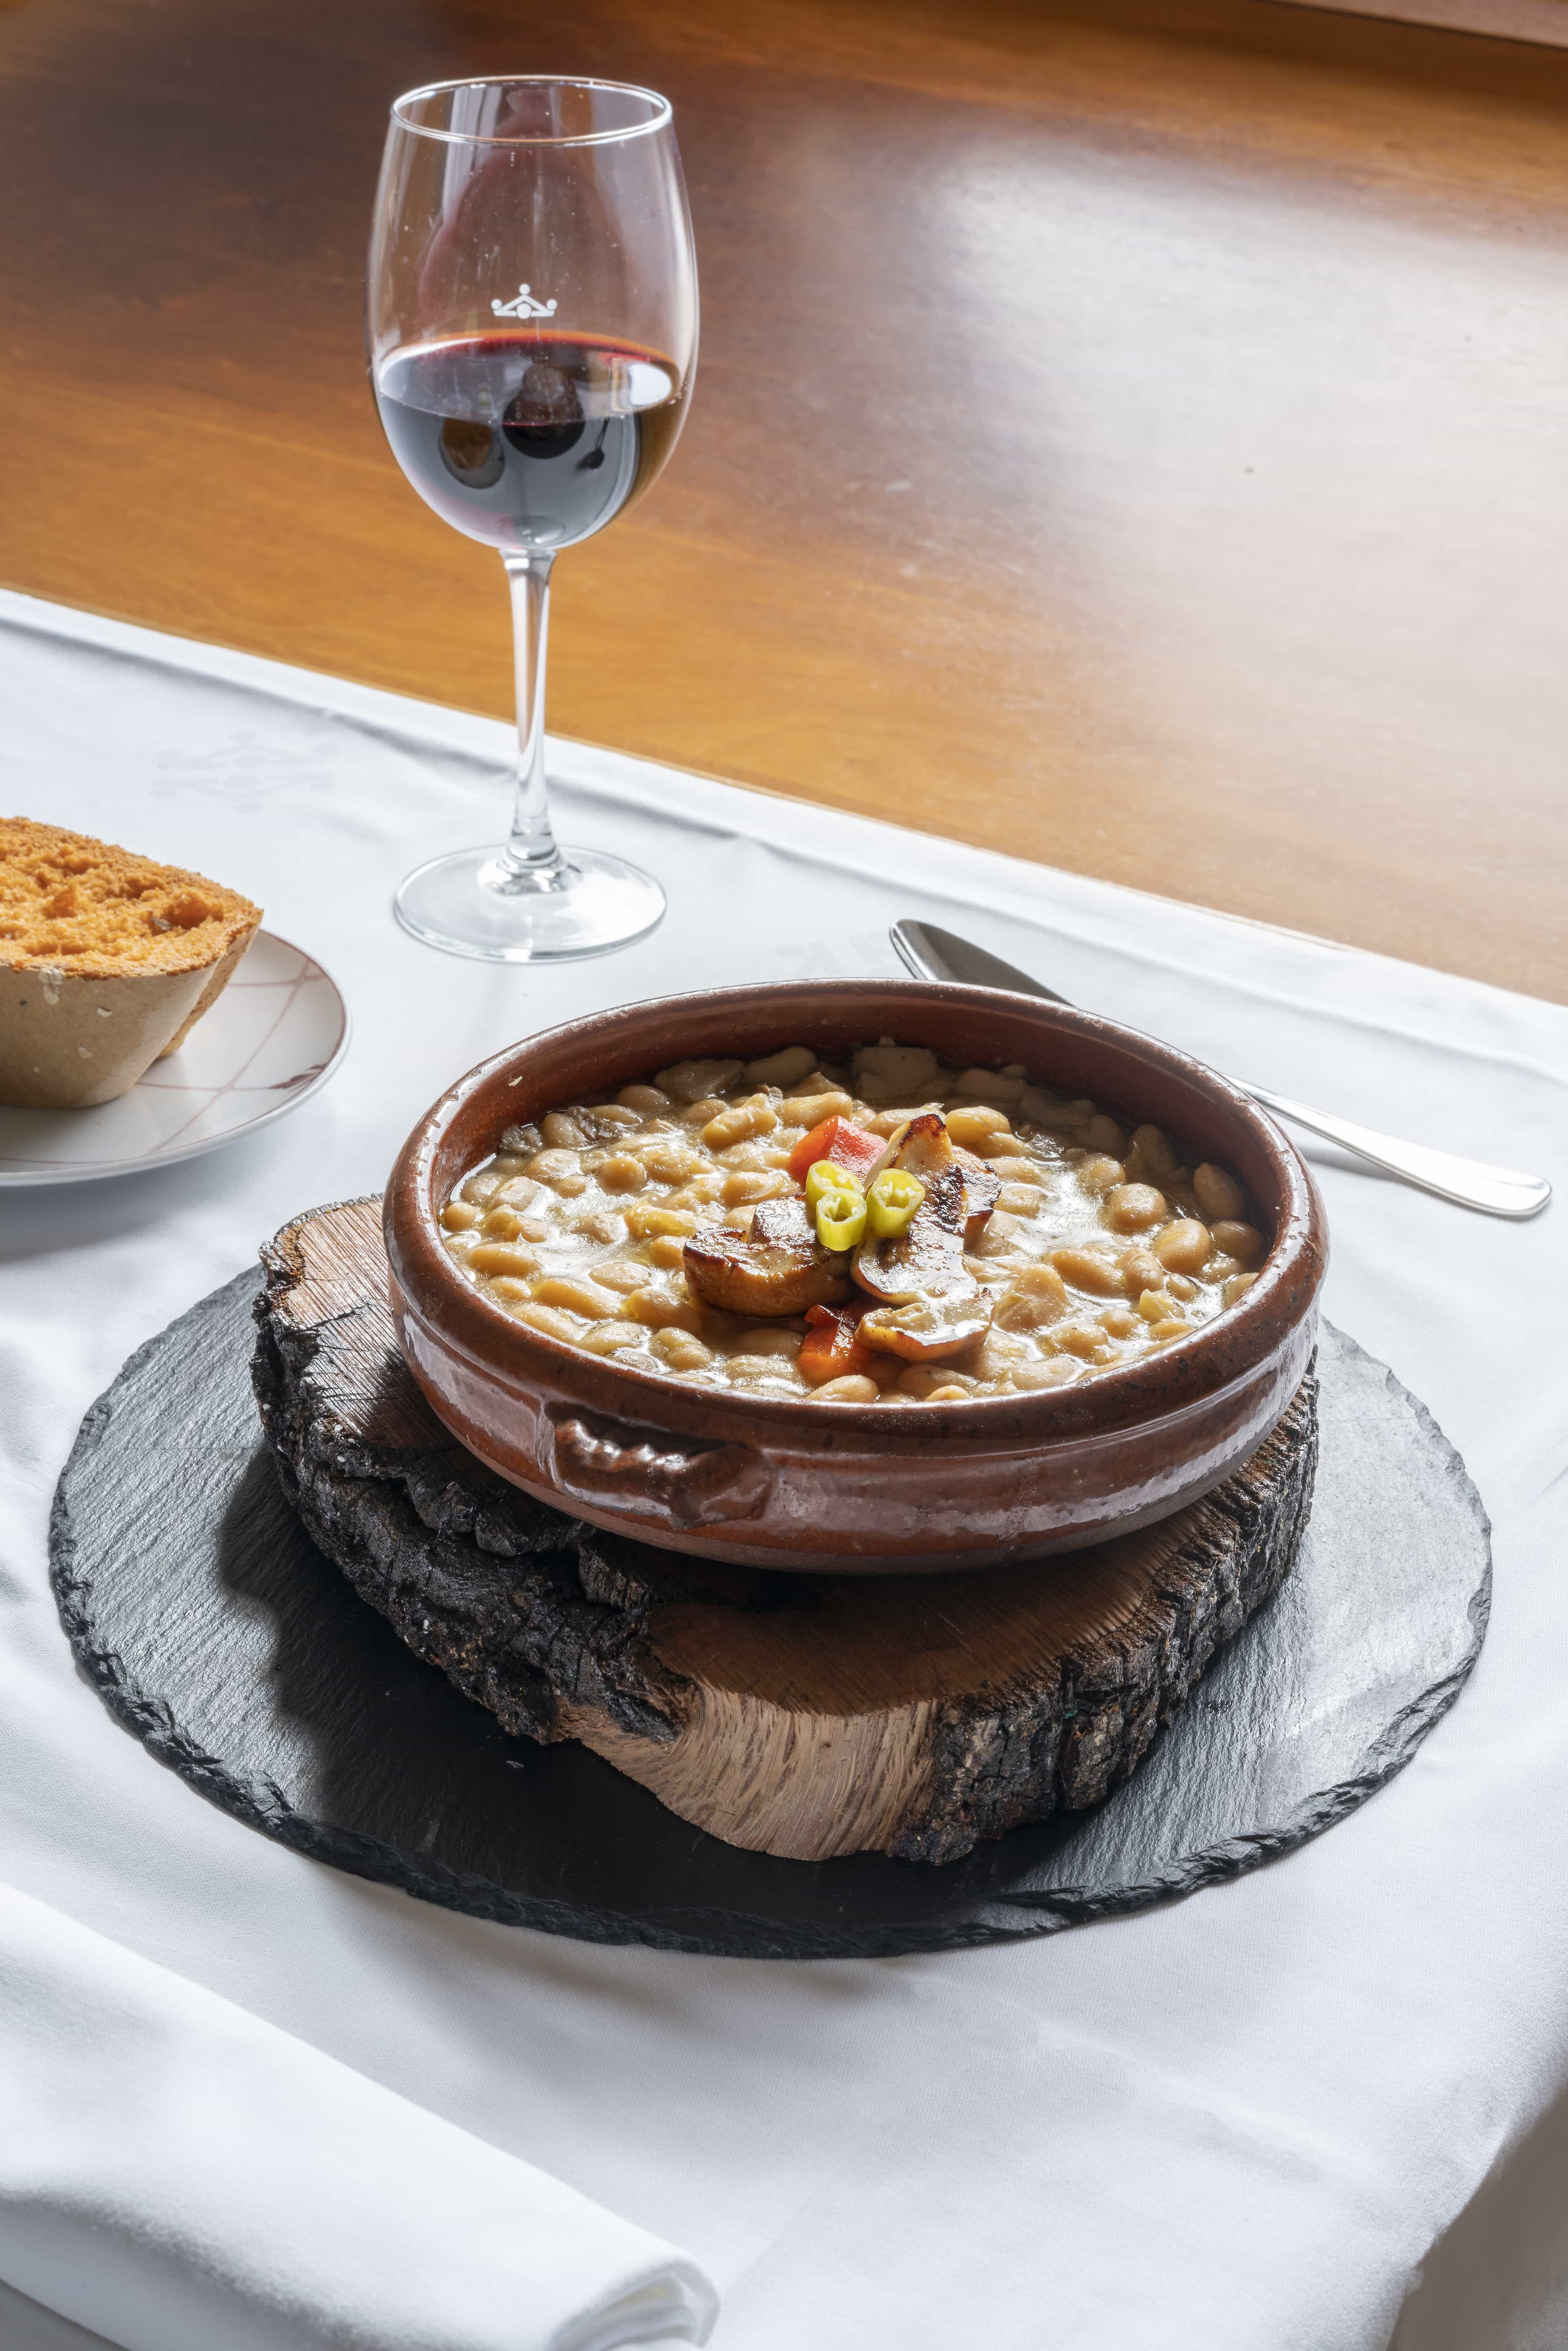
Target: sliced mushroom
<point x="982" y="1190"/>
<point x="927" y="1258"/>
<point x="923" y="1148"/>
<point x="778" y="1267"/>
<point x="930" y="1305"/>
<point x="930" y="1329"/>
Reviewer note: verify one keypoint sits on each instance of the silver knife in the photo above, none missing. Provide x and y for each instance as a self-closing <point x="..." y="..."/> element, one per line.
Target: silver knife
<point x="931" y="953"/>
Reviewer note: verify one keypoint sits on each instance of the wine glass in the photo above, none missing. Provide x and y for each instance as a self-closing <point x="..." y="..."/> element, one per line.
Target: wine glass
<point x="531" y="322"/>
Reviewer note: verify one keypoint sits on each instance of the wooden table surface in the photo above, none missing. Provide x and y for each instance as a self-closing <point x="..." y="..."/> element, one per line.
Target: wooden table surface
<point x="1129" y="435"/>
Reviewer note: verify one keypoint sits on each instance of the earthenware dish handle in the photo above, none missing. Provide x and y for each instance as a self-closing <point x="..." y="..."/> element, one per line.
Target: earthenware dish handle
<point x="595" y="1460"/>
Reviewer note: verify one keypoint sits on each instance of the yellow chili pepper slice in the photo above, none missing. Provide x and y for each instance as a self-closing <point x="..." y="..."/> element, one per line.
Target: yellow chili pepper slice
<point x="825" y="1177"/>
<point x="841" y="1218"/>
<point x="892" y="1202"/>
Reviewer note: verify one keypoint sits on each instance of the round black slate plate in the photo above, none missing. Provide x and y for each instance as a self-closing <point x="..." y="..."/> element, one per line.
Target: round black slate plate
<point x="216" y="1632"/>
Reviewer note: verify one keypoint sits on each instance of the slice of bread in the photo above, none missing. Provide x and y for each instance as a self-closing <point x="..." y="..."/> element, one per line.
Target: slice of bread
<point x="107" y="962"/>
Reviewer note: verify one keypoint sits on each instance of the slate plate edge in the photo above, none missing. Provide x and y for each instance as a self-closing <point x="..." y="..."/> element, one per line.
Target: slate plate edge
<point x="262" y="1805"/>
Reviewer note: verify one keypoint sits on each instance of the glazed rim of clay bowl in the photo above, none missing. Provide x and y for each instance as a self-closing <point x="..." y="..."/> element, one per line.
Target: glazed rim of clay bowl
<point x="1079" y="1054"/>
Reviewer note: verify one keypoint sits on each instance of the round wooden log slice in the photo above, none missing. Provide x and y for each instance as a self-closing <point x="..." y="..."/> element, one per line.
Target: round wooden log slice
<point x="801" y="1716"/>
<point x="924" y="1718"/>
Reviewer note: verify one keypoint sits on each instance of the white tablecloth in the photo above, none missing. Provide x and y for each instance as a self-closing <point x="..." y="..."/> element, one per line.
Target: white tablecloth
<point x="1234" y="2124"/>
<point x="182" y="2175"/>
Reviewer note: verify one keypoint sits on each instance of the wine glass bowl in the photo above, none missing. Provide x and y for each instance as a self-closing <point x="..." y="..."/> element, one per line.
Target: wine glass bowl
<point x="531" y="324"/>
<point x="526" y="442"/>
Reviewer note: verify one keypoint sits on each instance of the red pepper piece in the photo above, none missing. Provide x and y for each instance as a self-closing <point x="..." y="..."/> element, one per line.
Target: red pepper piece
<point x="833" y="1347"/>
<point x="839" y="1139"/>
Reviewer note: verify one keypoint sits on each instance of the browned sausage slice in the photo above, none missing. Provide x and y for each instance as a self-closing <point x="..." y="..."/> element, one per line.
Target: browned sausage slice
<point x="779" y="1267"/>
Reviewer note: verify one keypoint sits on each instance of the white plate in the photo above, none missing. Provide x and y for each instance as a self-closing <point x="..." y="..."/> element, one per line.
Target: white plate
<point x="275" y="1034"/>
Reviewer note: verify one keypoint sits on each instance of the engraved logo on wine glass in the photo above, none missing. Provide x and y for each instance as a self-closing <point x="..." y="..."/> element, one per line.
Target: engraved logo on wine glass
<point x="523" y="306"/>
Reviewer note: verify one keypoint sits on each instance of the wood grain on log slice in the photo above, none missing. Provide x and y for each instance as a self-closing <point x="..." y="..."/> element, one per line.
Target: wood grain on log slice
<point x="803" y="1716"/>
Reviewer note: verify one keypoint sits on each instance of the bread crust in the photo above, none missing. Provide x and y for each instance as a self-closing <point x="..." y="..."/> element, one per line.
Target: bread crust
<point x="107" y="962"/>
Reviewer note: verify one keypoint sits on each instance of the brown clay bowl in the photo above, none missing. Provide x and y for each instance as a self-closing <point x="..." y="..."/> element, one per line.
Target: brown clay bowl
<point x="859" y="1489"/>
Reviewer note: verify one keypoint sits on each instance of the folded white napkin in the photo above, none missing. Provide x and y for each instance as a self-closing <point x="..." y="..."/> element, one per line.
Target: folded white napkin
<point x="178" y="2175"/>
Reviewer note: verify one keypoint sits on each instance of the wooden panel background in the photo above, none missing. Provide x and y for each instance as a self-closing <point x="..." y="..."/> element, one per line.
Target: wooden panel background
<point x="1130" y="435"/>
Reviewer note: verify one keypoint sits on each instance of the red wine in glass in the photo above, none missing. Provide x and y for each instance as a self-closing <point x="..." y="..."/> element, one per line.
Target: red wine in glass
<point x="529" y="440"/>
<point x="531" y="330"/>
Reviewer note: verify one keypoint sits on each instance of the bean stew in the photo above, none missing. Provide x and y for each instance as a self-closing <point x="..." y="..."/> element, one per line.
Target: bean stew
<point x="891" y="1231"/>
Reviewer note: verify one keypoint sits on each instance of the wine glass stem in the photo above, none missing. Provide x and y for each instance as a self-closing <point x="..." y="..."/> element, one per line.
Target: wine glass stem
<point x="530" y="860"/>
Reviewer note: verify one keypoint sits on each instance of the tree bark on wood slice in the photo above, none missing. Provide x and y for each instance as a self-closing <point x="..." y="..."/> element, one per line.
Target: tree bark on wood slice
<point x="802" y="1716"/>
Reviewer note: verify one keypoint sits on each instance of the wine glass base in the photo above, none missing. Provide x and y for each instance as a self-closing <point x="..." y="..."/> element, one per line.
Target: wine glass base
<point x="606" y="903"/>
